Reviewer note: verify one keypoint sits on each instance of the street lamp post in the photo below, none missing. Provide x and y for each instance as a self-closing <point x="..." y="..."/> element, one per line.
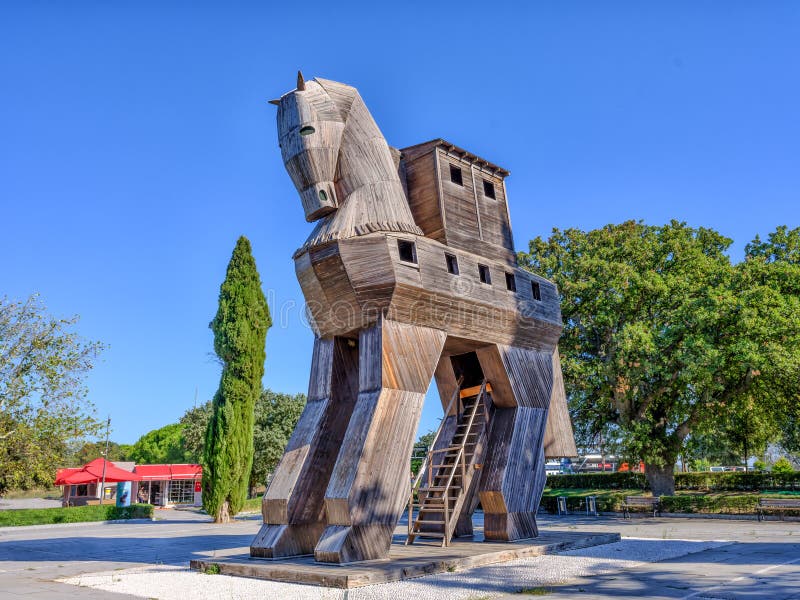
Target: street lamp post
<point x="105" y="461"/>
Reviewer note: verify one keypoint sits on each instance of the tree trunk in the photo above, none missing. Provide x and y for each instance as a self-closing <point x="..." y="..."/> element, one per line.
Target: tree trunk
<point x="223" y="515"/>
<point x="661" y="479"/>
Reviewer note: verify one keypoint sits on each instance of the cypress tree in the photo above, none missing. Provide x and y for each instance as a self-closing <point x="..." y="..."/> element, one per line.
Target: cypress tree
<point x="240" y="333"/>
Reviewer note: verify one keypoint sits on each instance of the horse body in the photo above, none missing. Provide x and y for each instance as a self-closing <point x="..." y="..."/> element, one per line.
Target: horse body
<point x="388" y="318"/>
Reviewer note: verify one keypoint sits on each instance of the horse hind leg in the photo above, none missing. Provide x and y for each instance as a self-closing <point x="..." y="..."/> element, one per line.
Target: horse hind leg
<point x="293" y="507"/>
<point x="369" y="487"/>
<point x="514" y="475"/>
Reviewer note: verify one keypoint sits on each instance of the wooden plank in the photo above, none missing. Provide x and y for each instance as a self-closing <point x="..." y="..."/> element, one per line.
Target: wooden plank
<point x="404" y="562"/>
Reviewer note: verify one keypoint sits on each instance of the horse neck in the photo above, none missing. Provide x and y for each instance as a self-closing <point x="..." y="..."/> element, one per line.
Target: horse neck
<point x="365" y="158"/>
<point x="371" y="197"/>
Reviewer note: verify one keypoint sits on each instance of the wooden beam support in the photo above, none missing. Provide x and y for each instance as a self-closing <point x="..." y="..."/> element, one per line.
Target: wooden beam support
<point x="369" y="485"/>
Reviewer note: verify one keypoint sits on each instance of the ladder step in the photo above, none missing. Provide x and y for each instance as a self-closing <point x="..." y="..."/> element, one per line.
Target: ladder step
<point x="427" y="522"/>
<point x="428" y="534"/>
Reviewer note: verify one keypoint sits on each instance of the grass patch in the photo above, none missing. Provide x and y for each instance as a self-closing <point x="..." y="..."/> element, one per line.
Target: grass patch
<point x="537" y="591"/>
<point x="252" y="504"/>
<point x="212" y="569"/>
<point x="75" y="514"/>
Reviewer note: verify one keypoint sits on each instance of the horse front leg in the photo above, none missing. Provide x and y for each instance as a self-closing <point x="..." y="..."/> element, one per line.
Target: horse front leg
<point x="369" y="486"/>
<point x="294" y="504"/>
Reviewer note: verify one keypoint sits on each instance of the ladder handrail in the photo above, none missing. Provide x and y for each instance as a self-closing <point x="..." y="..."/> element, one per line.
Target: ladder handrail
<point x="460" y="457"/>
<point x="428" y="457"/>
<point x="427" y="460"/>
<point x="460" y="460"/>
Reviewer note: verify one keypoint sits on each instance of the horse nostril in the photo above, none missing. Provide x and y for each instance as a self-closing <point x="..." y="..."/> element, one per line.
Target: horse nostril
<point x="307" y="130"/>
<point x="323" y="196"/>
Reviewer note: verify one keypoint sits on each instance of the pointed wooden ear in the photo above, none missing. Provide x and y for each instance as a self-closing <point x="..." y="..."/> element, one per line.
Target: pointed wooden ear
<point x="301" y="83"/>
<point x="276" y="102"/>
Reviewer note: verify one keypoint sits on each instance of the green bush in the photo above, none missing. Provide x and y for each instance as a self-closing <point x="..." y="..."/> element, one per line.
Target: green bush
<point x="782" y="466"/>
<point x="707" y="481"/>
<point x="75" y="514"/>
<point x="598" y="481"/>
<point x="700" y="503"/>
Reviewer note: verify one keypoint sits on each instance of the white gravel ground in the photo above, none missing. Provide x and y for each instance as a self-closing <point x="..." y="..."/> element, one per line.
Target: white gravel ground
<point x="177" y="583"/>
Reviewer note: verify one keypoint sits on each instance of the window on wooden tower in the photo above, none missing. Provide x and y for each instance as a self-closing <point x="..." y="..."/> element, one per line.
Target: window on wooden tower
<point x="455" y="175"/>
<point x="483" y="272"/>
<point x="511" y="282"/>
<point x="488" y="189"/>
<point x="452" y="263"/>
<point x="537" y="291"/>
<point x="408" y="251"/>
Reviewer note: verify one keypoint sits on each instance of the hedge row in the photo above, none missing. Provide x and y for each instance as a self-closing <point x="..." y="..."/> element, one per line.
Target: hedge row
<point x="75" y="514"/>
<point x="727" y="481"/>
<point x="685" y="503"/>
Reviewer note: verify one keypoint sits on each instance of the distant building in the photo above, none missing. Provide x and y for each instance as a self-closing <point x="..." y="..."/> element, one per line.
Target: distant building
<point x="126" y="483"/>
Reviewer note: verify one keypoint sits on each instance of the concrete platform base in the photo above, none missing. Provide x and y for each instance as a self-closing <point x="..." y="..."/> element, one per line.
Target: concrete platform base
<point x="404" y="562"/>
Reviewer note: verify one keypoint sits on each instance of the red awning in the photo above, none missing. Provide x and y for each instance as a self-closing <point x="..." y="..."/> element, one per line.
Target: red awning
<point x="93" y="472"/>
<point x="168" y="472"/>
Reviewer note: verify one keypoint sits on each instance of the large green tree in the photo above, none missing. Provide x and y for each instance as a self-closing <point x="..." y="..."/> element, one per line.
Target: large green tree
<point x="275" y="418"/>
<point x="161" y="446"/>
<point x="240" y="332"/>
<point x="775" y="263"/>
<point x="43" y="404"/>
<point x="662" y="334"/>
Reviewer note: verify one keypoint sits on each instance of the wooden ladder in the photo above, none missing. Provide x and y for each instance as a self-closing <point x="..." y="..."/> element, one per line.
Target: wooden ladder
<point x="442" y="496"/>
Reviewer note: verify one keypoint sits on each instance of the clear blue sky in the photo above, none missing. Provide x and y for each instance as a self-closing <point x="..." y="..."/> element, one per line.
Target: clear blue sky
<point x="136" y="144"/>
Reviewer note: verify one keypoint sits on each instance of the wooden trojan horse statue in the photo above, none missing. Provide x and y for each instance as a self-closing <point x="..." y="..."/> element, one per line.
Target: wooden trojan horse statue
<point x="409" y="274"/>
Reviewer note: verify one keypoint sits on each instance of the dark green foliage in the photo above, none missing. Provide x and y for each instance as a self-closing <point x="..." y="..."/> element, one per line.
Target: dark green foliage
<point x="276" y="416"/>
<point x="240" y="331"/>
<point x="161" y="446"/>
<point x="663" y="336"/>
<point x="77" y="514"/>
<point x="88" y="451"/>
<point x="701" y="503"/>
<point x="195" y="424"/>
<point x="728" y="481"/>
<point x="612" y="501"/>
<point x="598" y="481"/>
<point x="43" y="404"/>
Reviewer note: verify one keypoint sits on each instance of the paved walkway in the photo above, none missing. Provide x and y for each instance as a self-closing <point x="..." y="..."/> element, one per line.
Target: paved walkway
<point x="763" y="562"/>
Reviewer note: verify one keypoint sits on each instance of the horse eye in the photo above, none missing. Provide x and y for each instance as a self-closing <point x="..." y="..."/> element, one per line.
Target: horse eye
<point x="307" y="130"/>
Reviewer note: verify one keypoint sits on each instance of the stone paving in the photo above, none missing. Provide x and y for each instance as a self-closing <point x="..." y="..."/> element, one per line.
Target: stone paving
<point x="763" y="561"/>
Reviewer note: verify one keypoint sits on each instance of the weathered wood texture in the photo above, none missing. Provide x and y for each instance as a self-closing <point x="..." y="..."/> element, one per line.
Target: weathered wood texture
<point x="369" y="485"/>
<point x="293" y="505"/>
<point x="514" y="475"/>
<point x="559" y="440"/>
<point x="404" y="562"/>
<point x="411" y="264"/>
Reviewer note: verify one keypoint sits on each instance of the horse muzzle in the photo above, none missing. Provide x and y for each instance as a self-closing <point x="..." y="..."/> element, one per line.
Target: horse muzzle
<point x="319" y="200"/>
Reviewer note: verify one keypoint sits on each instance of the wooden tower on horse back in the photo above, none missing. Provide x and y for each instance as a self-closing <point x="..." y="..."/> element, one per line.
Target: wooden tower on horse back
<point x="409" y="274"/>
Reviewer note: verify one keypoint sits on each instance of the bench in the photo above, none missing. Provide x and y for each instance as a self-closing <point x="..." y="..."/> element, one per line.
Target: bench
<point x="779" y="505"/>
<point x="647" y="503"/>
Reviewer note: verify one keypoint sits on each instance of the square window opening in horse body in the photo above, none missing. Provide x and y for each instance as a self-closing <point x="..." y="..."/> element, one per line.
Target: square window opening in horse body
<point x="537" y="291"/>
<point x="483" y="272"/>
<point x="455" y="175"/>
<point x="452" y="264"/>
<point x="511" y="282"/>
<point x="408" y="251"/>
<point x="488" y="190"/>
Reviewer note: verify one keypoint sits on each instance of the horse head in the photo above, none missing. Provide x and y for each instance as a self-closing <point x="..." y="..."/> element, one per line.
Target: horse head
<point x="310" y="128"/>
<point x="340" y="163"/>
